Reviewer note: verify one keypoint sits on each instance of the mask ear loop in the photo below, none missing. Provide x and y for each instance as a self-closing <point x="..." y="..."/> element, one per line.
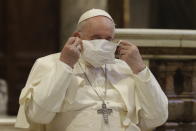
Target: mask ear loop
<point x="117" y="55"/>
<point x="119" y="42"/>
<point x="81" y="49"/>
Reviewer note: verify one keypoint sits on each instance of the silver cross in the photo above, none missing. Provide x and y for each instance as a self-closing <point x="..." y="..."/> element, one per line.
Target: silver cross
<point x="105" y="111"/>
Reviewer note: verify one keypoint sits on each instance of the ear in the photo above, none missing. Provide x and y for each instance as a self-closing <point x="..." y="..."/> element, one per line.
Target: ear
<point x="76" y="34"/>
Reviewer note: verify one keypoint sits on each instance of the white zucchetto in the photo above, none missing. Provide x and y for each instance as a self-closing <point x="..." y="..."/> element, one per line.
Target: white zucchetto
<point x="92" y="13"/>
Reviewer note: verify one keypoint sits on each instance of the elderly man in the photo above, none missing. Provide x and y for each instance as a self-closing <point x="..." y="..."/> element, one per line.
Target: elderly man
<point x="93" y="84"/>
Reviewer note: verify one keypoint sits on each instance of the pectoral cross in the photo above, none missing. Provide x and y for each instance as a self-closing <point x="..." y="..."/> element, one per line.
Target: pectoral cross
<point x="105" y="111"/>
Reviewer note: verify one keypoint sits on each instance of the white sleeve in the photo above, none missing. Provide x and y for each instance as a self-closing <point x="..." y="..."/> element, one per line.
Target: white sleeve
<point x="44" y="92"/>
<point x="49" y="90"/>
<point x="151" y="99"/>
<point x="37" y="114"/>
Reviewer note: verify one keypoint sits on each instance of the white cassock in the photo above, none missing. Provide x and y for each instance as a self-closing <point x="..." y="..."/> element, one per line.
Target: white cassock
<point x="58" y="98"/>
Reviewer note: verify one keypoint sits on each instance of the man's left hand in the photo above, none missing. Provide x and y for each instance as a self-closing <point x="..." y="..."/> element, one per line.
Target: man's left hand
<point x="131" y="55"/>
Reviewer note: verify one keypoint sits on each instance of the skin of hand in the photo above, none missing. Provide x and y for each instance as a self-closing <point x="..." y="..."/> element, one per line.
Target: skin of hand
<point x="71" y="51"/>
<point x="131" y="55"/>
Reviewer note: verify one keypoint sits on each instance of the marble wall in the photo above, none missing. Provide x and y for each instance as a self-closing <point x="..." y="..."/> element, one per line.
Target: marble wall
<point x="177" y="78"/>
<point x="172" y="59"/>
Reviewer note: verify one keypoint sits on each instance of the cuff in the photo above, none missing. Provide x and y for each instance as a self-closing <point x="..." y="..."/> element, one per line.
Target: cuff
<point x="143" y="75"/>
<point x="65" y="66"/>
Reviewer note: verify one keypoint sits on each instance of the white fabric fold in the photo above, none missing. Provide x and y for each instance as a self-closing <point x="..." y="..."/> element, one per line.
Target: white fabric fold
<point x="150" y="95"/>
<point x="49" y="81"/>
<point x="46" y="85"/>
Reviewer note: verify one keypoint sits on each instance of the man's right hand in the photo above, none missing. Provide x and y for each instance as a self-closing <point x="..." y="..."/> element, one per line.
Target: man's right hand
<point x="71" y="51"/>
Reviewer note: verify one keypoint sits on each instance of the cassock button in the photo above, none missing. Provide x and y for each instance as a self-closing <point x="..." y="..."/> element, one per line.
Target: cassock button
<point x="126" y="122"/>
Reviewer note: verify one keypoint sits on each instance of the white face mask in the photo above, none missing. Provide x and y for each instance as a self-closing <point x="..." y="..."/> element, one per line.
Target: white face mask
<point x="99" y="52"/>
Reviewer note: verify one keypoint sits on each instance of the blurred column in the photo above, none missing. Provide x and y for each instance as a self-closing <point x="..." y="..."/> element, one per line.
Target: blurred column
<point x="1" y="28"/>
<point x="116" y="9"/>
<point x="71" y="10"/>
<point x="139" y="13"/>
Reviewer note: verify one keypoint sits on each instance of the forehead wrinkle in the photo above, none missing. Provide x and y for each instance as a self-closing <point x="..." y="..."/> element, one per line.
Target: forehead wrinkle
<point x="96" y="21"/>
<point x="99" y="25"/>
<point x="101" y="20"/>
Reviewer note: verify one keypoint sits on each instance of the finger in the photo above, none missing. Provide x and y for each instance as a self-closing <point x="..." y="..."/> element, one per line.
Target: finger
<point x="71" y="41"/>
<point x="78" y="42"/>
<point x="123" y="52"/>
<point x="124" y="47"/>
<point x="81" y="45"/>
<point x="126" y="43"/>
<point x="123" y="42"/>
<point x="79" y="48"/>
<point x="122" y="57"/>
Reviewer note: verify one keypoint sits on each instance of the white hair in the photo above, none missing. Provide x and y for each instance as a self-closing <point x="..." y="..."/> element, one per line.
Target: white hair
<point x="80" y="26"/>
